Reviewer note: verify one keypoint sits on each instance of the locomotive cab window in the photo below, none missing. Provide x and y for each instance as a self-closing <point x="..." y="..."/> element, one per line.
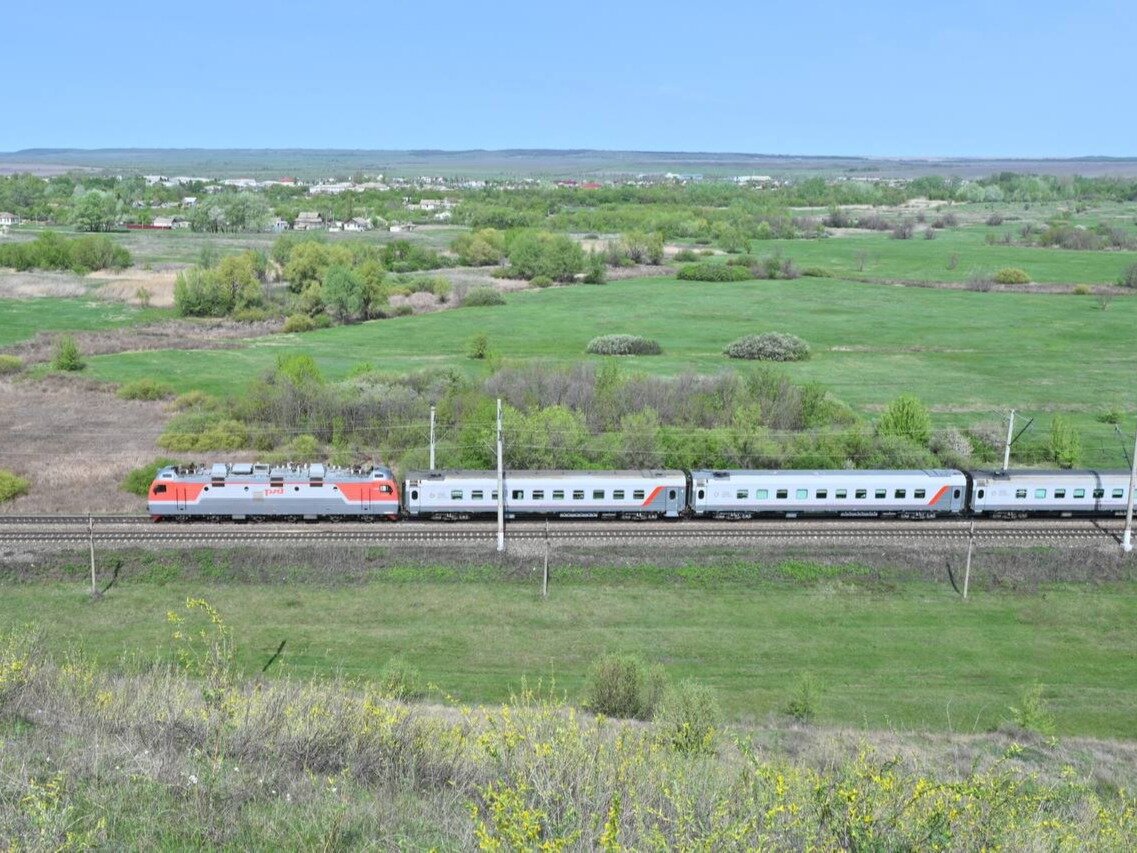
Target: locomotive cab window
<point x="618" y="495"/>
<point x="822" y="494"/>
<point x="782" y="494"/>
<point x="861" y="494"/>
<point x="900" y="493"/>
<point x="638" y="495"/>
<point x="762" y="494"/>
<point x="920" y="493"/>
<point x="160" y="489"/>
<point x="742" y="494"/>
<point x="1079" y="493"/>
<point x="385" y="489"/>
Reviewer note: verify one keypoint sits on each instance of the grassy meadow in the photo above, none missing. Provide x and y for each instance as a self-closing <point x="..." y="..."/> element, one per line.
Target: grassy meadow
<point x="911" y="657"/>
<point x="21" y="319"/>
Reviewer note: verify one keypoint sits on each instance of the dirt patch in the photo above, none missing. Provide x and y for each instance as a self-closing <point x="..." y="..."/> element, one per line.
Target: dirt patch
<point x="32" y="285"/>
<point x="123" y="285"/>
<point x="74" y="444"/>
<point x="171" y="334"/>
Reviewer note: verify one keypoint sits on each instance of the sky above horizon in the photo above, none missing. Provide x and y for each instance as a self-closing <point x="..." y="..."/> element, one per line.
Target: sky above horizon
<point x="969" y="79"/>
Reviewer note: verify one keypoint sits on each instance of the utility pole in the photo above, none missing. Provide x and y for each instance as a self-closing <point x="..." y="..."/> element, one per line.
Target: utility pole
<point x="967" y="568"/>
<point x="545" y="579"/>
<point x="1127" y="537"/>
<point x="500" y="485"/>
<point x="91" y="543"/>
<point x="432" y="438"/>
<point x="1007" y="449"/>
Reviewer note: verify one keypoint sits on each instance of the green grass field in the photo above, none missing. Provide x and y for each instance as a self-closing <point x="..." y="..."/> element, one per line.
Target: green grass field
<point x="907" y="656"/>
<point x="20" y="319"/>
<point x="968" y="355"/>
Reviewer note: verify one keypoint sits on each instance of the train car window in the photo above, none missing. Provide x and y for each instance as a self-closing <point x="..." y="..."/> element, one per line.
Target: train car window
<point x="414" y="495"/>
<point x="702" y="494"/>
<point x="782" y="494"/>
<point x="638" y="495"/>
<point x="477" y="495"/>
<point x="1020" y="493"/>
<point x="1079" y="493"/>
<point x="880" y="494"/>
<point x="980" y="493"/>
<point x="538" y="494"/>
<point x="841" y="494"/>
<point x="1059" y="493"/>
<point x="1040" y="493"/>
<point x="160" y="489"/>
<point x="861" y="494"/>
<point x="598" y="494"/>
<point x="558" y="494"/>
<point x="671" y="494"/>
<point x="955" y="494"/>
<point x="822" y="494"/>
<point x="518" y="495"/>
<point x="456" y="495"/>
<point x="919" y="493"/>
<point x="1119" y="493"/>
<point x="618" y="495"/>
<point x="900" y="493"/>
<point x="1099" y="493"/>
<point x="578" y="495"/>
<point x="742" y="494"/>
<point x="762" y="494"/>
<point x="801" y="494"/>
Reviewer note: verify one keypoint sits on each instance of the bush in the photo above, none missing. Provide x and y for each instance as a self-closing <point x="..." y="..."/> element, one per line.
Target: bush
<point x="929" y="234"/>
<point x="1033" y="712"/>
<point x="951" y="447"/>
<point x="684" y="256"/>
<point x="1128" y="277"/>
<point x="478" y="347"/>
<point x="403" y="311"/>
<point x="481" y="297"/>
<point x="203" y="431"/>
<point x="138" y="481"/>
<point x="980" y="282"/>
<point x="145" y="389"/>
<point x="1064" y="443"/>
<point x="10" y="364"/>
<point x="298" y="323"/>
<point x="1110" y="416"/>
<point x="1012" y="275"/>
<point x="771" y="346"/>
<point x="11" y="486"/>
<point x="623" y="686"/>
<point x="67" y="355"/>
<point x="906" y="417"/>
<point x="994" y="219"/>
<point x="622" y="345"/>
<point x="541" y="281"/>
<point x="816" y="272"/>
<point x="688" y="718"/>
<point x="399" y="680"/>
<point x="713" y="272"/>
<point x="802" y="705"/>
<point x="1082" y="290"/>
<point x="903" y="231"/>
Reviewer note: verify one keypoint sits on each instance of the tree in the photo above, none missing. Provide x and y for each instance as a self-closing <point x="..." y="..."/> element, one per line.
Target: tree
<point x="596" y="271"/>
<point x="535" y="253"/>
<point x="305" y="265"/>
<point x="906" y="417"/>
<point x="1065" y="443"/>
<point x="237" y="279"/>
<point x="67" y="355"/>
<point x="96" y="210"/>
<point x="343" y="293"/>
<point x="481" y="248"/>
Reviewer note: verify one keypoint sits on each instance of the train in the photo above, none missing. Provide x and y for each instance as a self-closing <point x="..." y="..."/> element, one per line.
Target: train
<point x="318" y="492"/>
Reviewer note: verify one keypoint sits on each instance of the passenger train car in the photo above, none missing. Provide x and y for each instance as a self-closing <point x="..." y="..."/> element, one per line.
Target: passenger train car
<point x="242" y="491"/>
<point x="311" y="492"/>
<point x="567" y="494"/>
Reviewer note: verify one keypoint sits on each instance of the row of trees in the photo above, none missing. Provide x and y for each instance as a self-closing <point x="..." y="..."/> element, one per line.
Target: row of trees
<point x="52" y="251"/>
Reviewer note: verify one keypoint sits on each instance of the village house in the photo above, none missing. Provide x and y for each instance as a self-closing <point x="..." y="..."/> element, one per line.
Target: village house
<point x="399" y="227"/>
<point x="308" y="221"/>
<point x="357" y="223"/>
<point x="278" y="225"/>
<point x="9" y="219"/>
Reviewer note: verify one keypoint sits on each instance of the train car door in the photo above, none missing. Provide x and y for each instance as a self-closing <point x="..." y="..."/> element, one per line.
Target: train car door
<point x="365" y="498"/>
<point x="180" y="495"/>
<point x="957" y="498"/>
<point x="672" y="500"/>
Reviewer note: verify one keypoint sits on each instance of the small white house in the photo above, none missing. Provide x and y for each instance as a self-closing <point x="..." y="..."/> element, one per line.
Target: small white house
<point x="9" y="219"/>
<point x="357" y="223"/>
<point x="308" y="220"/>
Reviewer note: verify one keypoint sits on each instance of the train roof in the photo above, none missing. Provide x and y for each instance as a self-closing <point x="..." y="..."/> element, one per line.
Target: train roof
<point x="1049" y="473"/>
<point x="262" y="470"/>
<point x="726" y="474"/>
<point x="469" y="474"/>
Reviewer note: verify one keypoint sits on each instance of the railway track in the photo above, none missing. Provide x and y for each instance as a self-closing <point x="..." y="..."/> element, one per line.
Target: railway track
<point x="63" y="531"/>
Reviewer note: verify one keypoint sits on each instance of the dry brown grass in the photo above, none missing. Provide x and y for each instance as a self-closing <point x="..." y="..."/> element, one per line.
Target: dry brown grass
<point x="74" y="444"/>
<point x="30" y="285"/>
<point x="123" y="285"/>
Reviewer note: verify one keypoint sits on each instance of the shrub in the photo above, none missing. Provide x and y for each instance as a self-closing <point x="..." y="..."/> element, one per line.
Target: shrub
<point x="713" y="272"/>
<point x="980" y="282"/>
<point x="202" y="431"/>
<point x="684" y="256"/>
<point x="298" y="323"/>
<point x="67" y="355"/>
<point x="903" y="231"/>
<point x="688" y="718"/>
<point x="1012" y="275"/>
<point x="403" y="311"/>
<point x="952" y="447"/>
<point x="478" y="347"/>
<point x="906" y="417"/>
<point x="1064" y="443"/>
<point x="541" y="281"/>
<point x="11" y="486"/>
<point x="481" y="297"/>
<point x="994" y="219"/>
<point x="816" y="272"/>
<point x="138" y="481"/>
<point x="399" y="680"/>
<point x="1111" y="415"/>
<point x="10" y="364"/>
<point x="192" y="400"/>
<point x="1082" y="290"/>
<point x="623" y="345"/>
<point x="929" y="234"/>
<point x="771" y="346"/>
<point x="624" y="686"/>
<point x="145" y="389"/>
<point x="1128" y="276"/>
<point x="802" y="704"/>
<point x="503" y="272"/>
<point x="1033" y="712"/>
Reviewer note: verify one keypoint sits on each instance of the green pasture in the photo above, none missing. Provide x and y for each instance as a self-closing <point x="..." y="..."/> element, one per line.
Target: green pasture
<point x="877" y="256"/>
<point x="21" y="319"/>
<point x="908" y="656"/>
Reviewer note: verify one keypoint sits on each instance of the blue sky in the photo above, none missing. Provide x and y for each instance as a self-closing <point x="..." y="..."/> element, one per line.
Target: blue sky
<point x="967" y="78"/>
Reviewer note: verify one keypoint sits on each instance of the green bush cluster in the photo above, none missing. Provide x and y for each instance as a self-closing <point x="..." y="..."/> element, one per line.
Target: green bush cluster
<point x="1012" y="275"/>
<point x="537" y="253"/>
<point x="67" y="355"/>
<point x="770" y="346"/>
<point x="52" y="251"/>
<point x="145" y="389"/>
<point x="481" y="248"/>
<point x="1128" y="276"/>
<point x="235" y="283"/>
<point x="203" y="431"/>
<point x="481" y="297"/>
<point x="10" y="364"/>
<point x="138" y="481"/>
<point x="11" y="485"/>
<point x="713" y="272"/>
<point x="623" y="345"/>
<point x="623" y="686"/>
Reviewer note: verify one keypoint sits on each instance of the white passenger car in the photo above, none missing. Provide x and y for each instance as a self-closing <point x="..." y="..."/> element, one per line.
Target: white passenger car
<point x="1026" y="492"/>
<point x="565" y="494"/>
<point x="908" y="494"/>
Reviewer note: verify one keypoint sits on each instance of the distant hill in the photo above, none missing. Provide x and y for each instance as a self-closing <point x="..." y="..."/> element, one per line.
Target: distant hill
<point x="547" y="163"/>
